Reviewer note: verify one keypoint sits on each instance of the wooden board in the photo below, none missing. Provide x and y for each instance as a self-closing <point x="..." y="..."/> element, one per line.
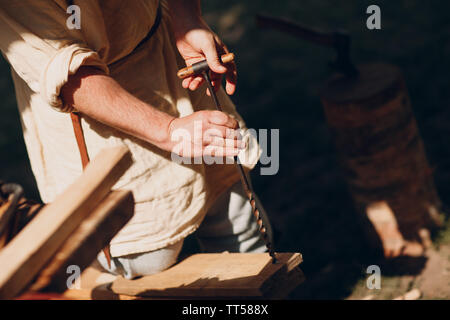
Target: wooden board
<point x="33" y="247"/>
<point x="222" y="275"/>
<point x="94" y="285"/>
<point x="82" y="247"/>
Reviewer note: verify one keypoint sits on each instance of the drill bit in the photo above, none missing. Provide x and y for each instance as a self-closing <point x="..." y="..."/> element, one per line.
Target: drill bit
<point x="245" y="183"/>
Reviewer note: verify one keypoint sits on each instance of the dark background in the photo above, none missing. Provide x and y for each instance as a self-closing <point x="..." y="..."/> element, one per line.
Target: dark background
<point x="278" y="84"/>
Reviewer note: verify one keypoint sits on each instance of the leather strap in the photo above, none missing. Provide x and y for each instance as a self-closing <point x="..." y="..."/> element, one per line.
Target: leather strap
<point x="78" y="130"/>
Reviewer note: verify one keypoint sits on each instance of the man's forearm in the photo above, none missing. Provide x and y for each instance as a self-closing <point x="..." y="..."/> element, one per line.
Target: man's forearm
<point x="100" y="97"/>
<point x="196" y="41"/>
<point x="184" y="14"/>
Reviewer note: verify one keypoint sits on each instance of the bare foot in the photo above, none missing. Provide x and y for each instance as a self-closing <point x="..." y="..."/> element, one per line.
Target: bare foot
<point x="385" y="224"/>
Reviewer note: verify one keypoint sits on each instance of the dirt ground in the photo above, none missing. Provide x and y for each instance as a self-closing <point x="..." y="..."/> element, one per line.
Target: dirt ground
<point x="279" y="80"/>
<point x="433" y="281"/>
<point x="431" y="276"/>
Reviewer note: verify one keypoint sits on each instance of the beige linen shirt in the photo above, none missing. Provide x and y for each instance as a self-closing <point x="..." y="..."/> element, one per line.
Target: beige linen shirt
<point x="171" y="198"/>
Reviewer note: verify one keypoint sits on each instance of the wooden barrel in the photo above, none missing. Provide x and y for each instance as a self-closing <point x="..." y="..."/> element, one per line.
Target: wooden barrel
<point x="380" y="149"/>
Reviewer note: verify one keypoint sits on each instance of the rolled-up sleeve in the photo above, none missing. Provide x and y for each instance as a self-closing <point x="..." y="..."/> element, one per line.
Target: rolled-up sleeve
<point x="40" y="47"/>
<point x="66" y="61"/>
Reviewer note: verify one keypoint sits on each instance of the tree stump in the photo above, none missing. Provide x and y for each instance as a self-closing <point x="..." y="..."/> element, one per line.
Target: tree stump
<point x="382" y="154"/>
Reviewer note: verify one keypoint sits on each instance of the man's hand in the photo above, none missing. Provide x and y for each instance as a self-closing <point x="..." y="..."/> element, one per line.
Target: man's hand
<point x="204" y="133"/>
<point x="100" y="97"/>
<point x="195" y="42"/>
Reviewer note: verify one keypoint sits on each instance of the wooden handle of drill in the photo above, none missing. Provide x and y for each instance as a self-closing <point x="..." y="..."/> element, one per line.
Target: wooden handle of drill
<point x="191" y="70"/>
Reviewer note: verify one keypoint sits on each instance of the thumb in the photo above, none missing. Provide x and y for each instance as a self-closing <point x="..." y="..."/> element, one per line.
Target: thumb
<point x="213" y="59"/>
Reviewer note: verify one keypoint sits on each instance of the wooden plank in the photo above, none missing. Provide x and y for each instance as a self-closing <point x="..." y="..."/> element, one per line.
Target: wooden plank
<point x="91" y="281"/>
<point x="4" y="232"/>
<point x="33" y="247"/>
<point x="83" y="245"/>
<point x="94" y="285"/>
<point x="227" y="275"/>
